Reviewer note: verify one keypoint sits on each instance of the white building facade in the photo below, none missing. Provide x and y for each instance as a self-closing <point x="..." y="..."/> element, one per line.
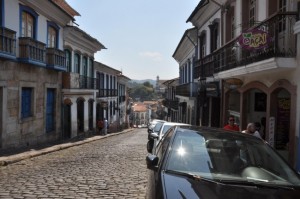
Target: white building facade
<point x="31" y="65"/>
<point x="251" y="48"/>
<point x="186" y="90"/>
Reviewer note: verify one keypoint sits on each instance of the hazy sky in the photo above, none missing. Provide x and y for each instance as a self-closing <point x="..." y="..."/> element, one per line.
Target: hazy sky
<point x="140" y="35"/>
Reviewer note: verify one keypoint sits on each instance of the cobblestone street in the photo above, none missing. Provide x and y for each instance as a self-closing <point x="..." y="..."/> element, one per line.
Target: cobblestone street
<point x="113" y="167"/>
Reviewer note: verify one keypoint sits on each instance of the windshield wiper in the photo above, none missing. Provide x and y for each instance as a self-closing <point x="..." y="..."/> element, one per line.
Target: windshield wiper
<point x="193" y="176"/>
<point x="249" y="182"/>
<point x="258" y="183"/>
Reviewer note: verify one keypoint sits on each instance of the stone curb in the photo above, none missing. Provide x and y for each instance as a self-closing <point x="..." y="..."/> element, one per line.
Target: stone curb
<point x="6" y="160"/>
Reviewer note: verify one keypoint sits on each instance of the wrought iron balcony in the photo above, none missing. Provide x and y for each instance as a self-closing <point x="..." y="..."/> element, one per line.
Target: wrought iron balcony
<point x="76" y="81"/>
<point x="281" y="42"/>
<point x="32" y="51"/>
<point x="187" y="90"/>
<point x="87" y="82"/>
<point x="7" y="43"/>
<point x="56" y="59"/>
<point x="107" y="92"/>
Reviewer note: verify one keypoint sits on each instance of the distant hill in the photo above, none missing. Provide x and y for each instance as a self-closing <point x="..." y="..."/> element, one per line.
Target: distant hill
<point x="151" y="81"/>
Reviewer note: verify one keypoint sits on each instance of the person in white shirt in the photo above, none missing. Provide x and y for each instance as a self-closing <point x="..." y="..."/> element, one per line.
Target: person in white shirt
<point x="251" y="129"/>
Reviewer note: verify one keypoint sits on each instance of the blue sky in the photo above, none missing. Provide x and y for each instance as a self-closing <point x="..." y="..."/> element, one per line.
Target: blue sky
<point x="140" y="35"/>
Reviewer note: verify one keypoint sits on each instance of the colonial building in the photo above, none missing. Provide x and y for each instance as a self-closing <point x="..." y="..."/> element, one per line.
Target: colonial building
<point x="186" y="90"/>
<point x="79" y="82"/>
<point x="123" y="100"/>
<point x="151" y="112"/>
<point x="140" y="116"/>
<point x="111" y="95"/>
<point x="31" y="64"/>
<point x="171" y="102"/>
<point x="250" y="48"/>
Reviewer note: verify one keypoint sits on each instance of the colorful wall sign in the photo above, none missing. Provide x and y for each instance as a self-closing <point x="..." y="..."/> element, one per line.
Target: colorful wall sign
<point x="254" y="39"/>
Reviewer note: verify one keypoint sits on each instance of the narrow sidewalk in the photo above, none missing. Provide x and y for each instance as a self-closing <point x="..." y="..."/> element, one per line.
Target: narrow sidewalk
<point x="10" y="159"/>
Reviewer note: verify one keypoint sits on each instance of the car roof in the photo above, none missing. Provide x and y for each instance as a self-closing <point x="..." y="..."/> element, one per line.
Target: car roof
<point x="156" y="120"/>
<point x="211" y="130"/>
<point x="176" y="123"/>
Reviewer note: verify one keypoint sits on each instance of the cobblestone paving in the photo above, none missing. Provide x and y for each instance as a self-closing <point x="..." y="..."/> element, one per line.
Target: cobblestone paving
<point x="109" y="168"/>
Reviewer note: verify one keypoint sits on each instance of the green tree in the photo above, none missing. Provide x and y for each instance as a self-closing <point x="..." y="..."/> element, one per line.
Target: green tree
<point x="143" y="92"/>
<point x="147" y="84"/>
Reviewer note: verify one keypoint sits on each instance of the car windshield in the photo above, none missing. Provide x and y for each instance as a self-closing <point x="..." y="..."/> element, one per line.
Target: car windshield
<point x="157" y="126"/>
<point x="166" y="128"/>
<point x="228" y="157"/>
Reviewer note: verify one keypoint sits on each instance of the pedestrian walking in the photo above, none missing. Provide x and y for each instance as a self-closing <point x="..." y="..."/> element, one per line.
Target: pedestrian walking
<point x="100" y="125"/>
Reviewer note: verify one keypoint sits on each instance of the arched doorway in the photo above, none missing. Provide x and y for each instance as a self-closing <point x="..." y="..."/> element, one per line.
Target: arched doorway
<point x="281" y="115"/>
<point x="91" y="113"/>
<point x="100" y="110"/>
<point x="232" y="106"/>
<point x="80" y="114"/>
<point x="254" y="109"/>
<point x="67" y="129"/>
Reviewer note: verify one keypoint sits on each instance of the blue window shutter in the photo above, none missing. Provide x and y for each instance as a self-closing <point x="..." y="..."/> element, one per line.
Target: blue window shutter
<point x="50" y="108"/>
<point x="26" y="102"/>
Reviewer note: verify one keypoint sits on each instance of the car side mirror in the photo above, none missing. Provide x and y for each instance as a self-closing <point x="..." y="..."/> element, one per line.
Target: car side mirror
<point x="154" y="135"/>
<point x="152" y="162"/>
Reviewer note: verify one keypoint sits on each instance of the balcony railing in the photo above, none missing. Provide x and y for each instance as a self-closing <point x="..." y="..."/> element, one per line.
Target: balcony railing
<point x="87" y="82"/>
<point x="107" y="92"/>
<point x="282" y="43"/>
<point x="188" y="90"/>
<point x="7" y="43"/>
<point x="76" y="81"/>
<point x="32" y="51"/>
<point x="56" y="59"/>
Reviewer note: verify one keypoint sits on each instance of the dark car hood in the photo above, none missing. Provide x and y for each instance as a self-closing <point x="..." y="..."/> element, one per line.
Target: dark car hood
<point x="176" y="186"/>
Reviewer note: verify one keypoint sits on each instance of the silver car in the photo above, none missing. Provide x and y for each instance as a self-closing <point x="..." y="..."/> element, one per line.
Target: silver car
<point x="156" y="136"/>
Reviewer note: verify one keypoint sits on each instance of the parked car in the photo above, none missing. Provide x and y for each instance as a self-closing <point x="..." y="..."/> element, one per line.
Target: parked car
<point x="194" y="162"/>
<point x="144" y="126"/>
<point x="156" y="136"/>
<point x="156" y="127"/>
<point x="152" y="124"/>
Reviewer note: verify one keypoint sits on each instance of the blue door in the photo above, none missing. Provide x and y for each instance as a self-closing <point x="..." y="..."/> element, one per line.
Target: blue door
<point x="50" y="110"/>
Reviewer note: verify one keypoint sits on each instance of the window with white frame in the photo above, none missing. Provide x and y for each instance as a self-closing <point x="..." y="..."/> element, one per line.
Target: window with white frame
<point x="252" y="12"/>
<point x="68" y="60"/>
<point x="91" y="67"/>
<point x="27" y="25"/>
<point x="232" y="26"/>
<point x="28" y="22"/>
<point x="202" y="45"/>
<point x="84" y="66"/>
<point x="52" y="37"/>
<point x="77" y="63"/>
<point x="214" y="35"/>
<point x="282" y="22"/>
